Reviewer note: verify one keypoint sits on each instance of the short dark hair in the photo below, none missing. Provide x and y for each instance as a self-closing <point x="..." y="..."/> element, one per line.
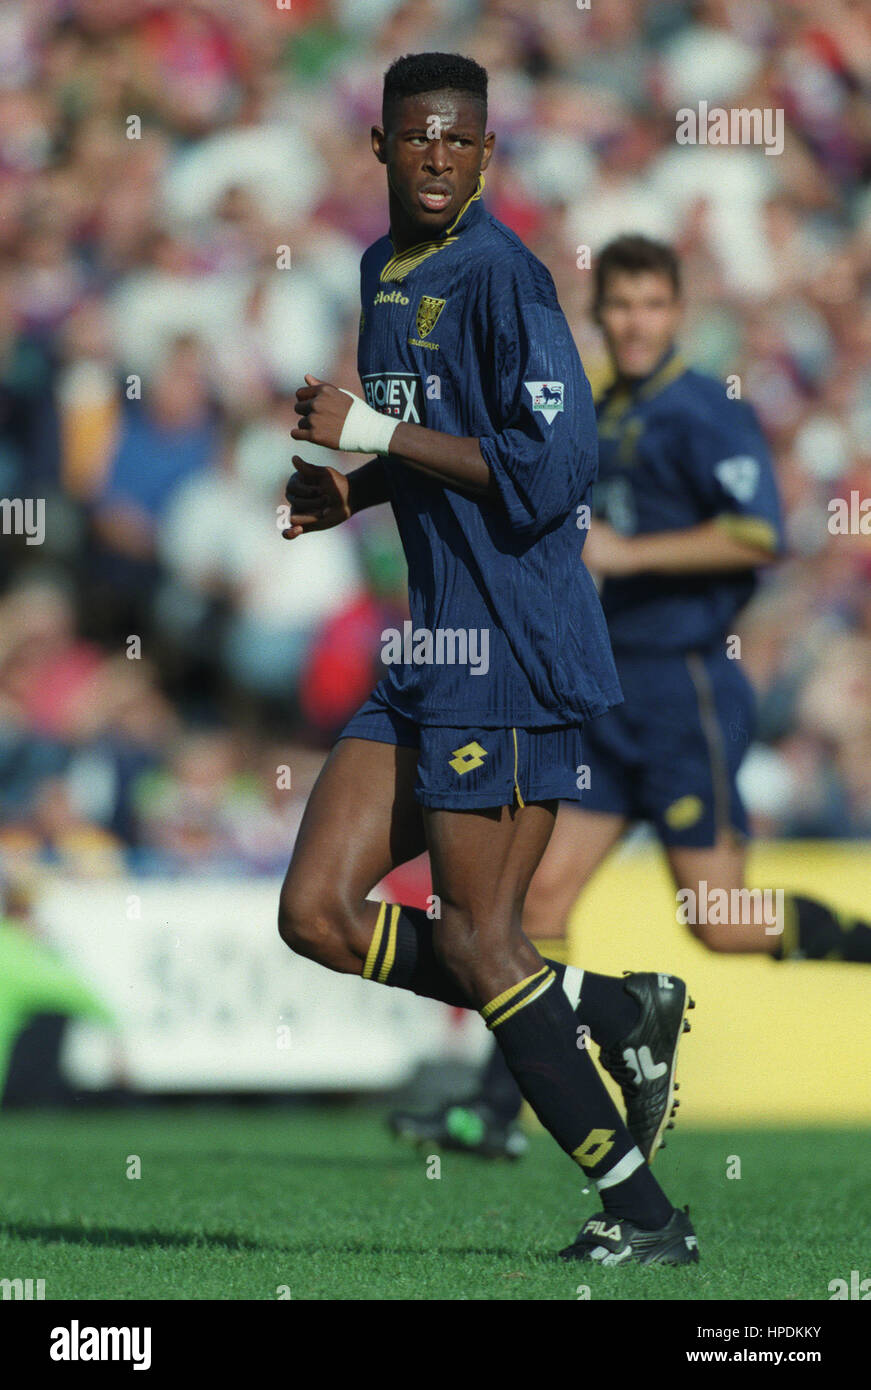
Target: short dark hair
<point x="433" y="72"/>
<point x="633" y="254"/>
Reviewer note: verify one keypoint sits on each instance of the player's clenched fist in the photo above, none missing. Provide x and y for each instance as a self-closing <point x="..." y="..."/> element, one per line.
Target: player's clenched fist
<point x="319" y="498"/>
<point x="338" y="419"/>
<point x="323" y="409"/>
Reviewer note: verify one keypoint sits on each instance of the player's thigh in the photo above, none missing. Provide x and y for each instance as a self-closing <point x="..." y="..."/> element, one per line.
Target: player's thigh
<point x="483" y="860"/>
<point x="579" y="843"/>
<point x="489" y="810"/>
<point x="360" y="822"/>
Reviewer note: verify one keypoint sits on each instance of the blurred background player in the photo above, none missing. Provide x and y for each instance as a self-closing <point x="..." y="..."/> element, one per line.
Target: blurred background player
<point x="686" y="513"/>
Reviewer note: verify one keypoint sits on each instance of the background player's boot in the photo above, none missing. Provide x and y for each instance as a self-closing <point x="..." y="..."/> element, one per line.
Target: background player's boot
<point x="469" y="1127"/>
<point x="643" y="1062"/>
<point x="609" y="1241"/>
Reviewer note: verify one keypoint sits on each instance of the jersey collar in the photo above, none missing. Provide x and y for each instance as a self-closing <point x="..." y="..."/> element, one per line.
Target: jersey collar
<point x="402" y="262"/>
<point x="624" y="394"/>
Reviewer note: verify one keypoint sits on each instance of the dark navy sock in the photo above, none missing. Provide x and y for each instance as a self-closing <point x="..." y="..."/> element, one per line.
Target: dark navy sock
<point x="534" y="1025"/>
<point x="813" y="931"/>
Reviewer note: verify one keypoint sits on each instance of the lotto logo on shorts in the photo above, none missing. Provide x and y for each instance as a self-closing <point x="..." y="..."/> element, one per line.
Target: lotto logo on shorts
<point x="465" y="759"/>
<point x="684" y="812"/>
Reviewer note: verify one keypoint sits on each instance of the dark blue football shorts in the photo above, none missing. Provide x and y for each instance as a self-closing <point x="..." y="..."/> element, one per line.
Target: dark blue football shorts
<point x="464" y="768"/>
<point x="670" y="753"/>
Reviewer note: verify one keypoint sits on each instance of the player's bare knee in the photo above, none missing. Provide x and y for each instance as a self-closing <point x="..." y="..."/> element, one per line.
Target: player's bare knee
<point x="313" y="925"/>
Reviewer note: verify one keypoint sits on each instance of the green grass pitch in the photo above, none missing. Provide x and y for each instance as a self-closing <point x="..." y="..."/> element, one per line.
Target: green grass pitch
<point x="238" y="1203"/>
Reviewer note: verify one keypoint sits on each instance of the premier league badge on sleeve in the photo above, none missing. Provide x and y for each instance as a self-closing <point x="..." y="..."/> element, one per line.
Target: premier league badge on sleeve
<point x="738" y="476"/>
<point x="547" y="396"/>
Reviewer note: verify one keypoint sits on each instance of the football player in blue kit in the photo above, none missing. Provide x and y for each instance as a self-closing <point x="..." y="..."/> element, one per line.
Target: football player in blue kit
<point x="685" y="514"/>
<point x="477" y="408"/>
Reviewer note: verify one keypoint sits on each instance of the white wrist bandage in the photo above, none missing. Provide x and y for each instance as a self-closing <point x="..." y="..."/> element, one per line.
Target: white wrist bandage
<point x="364" y="430"/>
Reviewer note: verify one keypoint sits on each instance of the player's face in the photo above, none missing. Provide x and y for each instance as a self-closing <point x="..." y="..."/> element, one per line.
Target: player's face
<point x="639" y="315"/>
<point x="434" y="149"/>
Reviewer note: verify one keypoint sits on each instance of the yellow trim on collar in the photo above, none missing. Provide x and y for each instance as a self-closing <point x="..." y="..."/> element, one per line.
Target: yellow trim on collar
<point x="624" y="398"/>
<point x="402" y="262"/>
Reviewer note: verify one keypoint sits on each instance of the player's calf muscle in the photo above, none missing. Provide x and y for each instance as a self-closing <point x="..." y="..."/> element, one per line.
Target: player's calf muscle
<point x="734" y="938"/>
<point x="484" y="957"/>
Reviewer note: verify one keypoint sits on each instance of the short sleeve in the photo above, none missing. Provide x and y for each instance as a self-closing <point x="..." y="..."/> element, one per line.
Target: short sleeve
<point x="732" y="472"/>
<point x="543" y="454"/>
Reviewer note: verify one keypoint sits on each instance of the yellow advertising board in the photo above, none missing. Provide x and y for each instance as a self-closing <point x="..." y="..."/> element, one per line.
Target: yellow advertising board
<point x="770" y="1042"/>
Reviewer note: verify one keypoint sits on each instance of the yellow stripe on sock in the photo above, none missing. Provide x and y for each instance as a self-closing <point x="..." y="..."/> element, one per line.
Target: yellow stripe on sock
<point x="375" y="943"/>
<point x="522" y="1003"/>
<point x="390" y="953"/>
<point x="552" y="948"/>
<point x="509" y="993"/>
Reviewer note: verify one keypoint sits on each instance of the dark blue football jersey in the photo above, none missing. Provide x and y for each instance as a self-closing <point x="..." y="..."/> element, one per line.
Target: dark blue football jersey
<point x="465" y="335"/>
<point x="675" y="451"/>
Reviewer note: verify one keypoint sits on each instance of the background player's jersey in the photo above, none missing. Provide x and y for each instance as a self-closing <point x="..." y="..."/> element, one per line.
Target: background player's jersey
<point x="465" y="335"/>
<point x="675" y="451"/>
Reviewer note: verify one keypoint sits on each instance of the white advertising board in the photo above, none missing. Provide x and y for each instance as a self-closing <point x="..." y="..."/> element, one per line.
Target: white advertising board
<point x="207" y="996"/>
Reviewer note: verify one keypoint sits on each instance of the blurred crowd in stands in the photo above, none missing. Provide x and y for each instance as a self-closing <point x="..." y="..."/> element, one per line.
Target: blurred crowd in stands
<point x="185" y="192"/>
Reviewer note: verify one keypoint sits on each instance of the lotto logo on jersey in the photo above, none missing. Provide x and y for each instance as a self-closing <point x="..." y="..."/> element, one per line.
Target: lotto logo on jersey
<point x="396" y="394"/>
<point x="390" y="297"/>
<point x="547" y="397"/>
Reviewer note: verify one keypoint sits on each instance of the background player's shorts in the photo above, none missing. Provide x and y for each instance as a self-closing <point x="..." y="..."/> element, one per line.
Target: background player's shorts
<point x="459" y="769"/>
<point x="670" y="754"/>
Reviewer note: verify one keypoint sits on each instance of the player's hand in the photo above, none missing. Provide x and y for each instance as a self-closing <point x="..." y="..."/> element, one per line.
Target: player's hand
<point x="607" y="552"/>
<point x="322" y="408"/>
<point x="319" y="498"/>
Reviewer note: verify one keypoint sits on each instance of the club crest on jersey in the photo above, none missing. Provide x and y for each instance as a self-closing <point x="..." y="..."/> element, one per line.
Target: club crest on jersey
<point x="428" y="311"/>
<point x="397" y="394"/>
<point x="547" y="397"/>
